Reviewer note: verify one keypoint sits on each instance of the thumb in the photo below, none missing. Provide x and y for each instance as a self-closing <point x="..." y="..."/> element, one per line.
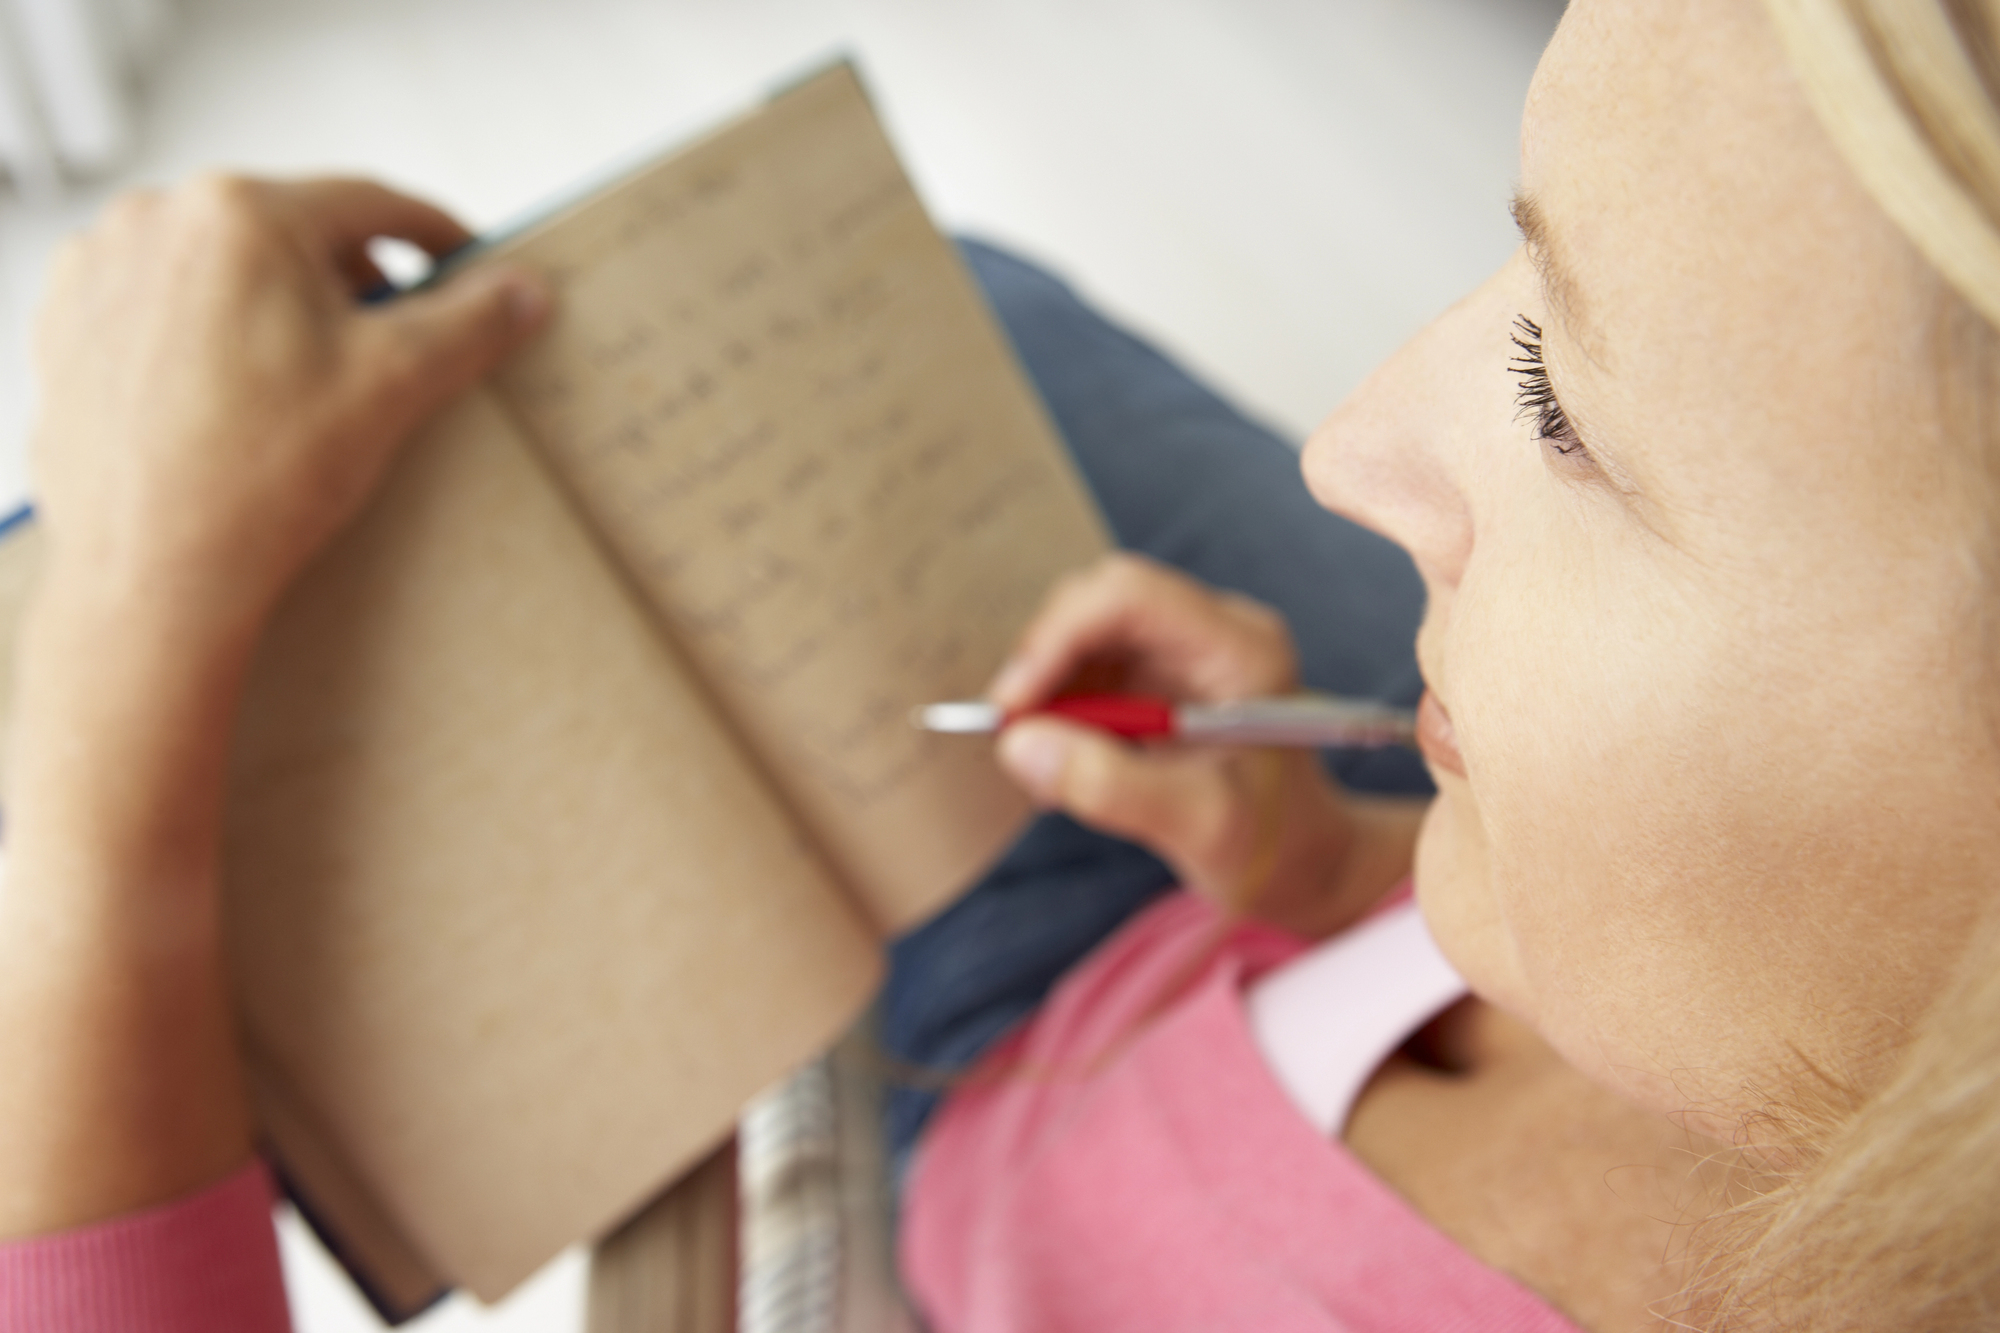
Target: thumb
<point x="421" y="351"/>
<point x="1177" y="803"/>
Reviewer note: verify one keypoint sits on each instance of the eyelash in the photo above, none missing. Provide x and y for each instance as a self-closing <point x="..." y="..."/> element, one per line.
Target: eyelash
<point x="1537" y="397"/>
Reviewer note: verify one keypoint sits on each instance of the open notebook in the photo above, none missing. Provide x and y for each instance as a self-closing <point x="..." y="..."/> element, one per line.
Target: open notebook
<point x="574" y="793"/>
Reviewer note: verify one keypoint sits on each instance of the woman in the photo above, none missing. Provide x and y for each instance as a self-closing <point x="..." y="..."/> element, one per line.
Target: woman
<point x="1708" y="712"/>
<point x="1710" y="677"/>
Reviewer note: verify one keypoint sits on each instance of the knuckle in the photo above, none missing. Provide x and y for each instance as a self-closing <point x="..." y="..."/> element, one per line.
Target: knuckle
<point x="221" y="190"/>
<point x="221" y="205"/>
<point x="1246" y="609"/>
<point x="71" y="258"/>
<point x="1263" y="630"/>
<point x="132" y="208"/>
<point x="1072" y="583"/>
<point x="1070" y="592"/>
<point x="1260" y="618"/>
<point x="1123" y="572"/>
<point x="1112" y="586"/>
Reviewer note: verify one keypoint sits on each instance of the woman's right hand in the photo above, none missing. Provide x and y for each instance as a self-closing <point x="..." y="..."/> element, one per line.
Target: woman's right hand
<point x="215" y="400"/>
<point x="1260" y="831"/>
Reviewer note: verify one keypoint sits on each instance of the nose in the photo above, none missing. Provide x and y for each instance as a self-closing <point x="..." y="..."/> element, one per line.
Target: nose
<point x="1393" y="457"/>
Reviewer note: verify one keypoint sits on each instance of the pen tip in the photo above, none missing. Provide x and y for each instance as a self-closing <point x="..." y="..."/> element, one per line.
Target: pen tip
<point x="969" y="718"/>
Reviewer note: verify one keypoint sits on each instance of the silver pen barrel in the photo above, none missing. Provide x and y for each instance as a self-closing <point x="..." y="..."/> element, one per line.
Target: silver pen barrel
<point x="1321" y="720"/>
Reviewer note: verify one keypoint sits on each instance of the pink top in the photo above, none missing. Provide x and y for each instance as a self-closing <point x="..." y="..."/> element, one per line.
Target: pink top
<point x="1129" y="1161"/>
<point x="1134" y="1163"/>
<point x="204" y="1264"/>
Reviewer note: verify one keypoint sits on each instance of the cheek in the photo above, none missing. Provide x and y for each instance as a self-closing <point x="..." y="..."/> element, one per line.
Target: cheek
<point x="1686" y="809"/>
<point x="1578" y="878"/>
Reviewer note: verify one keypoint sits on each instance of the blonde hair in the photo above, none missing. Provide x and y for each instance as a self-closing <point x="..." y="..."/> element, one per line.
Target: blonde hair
<point x="1892" y="1220"/>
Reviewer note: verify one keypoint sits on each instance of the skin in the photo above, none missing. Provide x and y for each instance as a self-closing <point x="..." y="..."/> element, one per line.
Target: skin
<point x="1708" y="705"/>
<point x="1721" y="792"/>
<point x="1709" y="688"/>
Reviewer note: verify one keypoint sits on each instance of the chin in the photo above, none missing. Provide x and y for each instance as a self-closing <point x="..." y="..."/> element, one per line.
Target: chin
<point x="1455" y="893"/>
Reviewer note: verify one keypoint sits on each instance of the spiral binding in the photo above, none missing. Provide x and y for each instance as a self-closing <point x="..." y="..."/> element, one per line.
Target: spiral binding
<point x="788" y="1157"/>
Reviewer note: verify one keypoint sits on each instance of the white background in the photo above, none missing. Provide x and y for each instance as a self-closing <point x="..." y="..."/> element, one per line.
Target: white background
<point x="1281" y="191"/>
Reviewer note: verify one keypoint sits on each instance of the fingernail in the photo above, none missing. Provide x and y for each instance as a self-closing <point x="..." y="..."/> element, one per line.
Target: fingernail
<point x="1035" y="754"/>
<point x="1012" y="679"/>
<point x="528" y="299"/>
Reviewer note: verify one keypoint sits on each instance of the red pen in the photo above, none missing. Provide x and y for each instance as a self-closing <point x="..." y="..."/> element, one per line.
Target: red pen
<point x="1305" y="720"/>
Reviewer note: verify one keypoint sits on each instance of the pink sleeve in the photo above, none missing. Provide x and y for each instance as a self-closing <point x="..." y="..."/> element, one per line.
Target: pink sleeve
<point x="207" y="1263"/>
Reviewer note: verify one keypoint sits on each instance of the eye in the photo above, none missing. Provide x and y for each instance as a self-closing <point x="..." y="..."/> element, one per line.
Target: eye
<point x="1536" y="398"/>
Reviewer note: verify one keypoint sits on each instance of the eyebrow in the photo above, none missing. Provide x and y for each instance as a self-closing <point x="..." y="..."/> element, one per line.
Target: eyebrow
<point x="1558" y="287"/>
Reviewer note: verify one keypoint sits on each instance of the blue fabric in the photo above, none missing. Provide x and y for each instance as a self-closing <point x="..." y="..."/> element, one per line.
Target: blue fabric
<point x="1189" y="480"/>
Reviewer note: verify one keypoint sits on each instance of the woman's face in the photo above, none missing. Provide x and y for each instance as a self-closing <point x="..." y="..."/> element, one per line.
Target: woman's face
<point x="1716" y="791"/>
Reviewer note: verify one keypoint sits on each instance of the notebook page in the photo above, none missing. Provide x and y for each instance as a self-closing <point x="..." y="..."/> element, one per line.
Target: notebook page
<point x="775" y="389"/>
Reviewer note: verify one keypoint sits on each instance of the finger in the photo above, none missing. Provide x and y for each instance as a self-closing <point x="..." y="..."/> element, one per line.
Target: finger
<point x="1178" y="803"/>
<point x="133" y="210"/>
<point x="362" y="274"/>
<point x="419" y="352"/>
<point x="70" y="263"/>
<point x="344" y="215"/>
<point x="1184" y="639"/>
<point x="1088" y="614"/>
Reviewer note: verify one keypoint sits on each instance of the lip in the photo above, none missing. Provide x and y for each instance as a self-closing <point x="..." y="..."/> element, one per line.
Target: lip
<point x="1435" y="736"/>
